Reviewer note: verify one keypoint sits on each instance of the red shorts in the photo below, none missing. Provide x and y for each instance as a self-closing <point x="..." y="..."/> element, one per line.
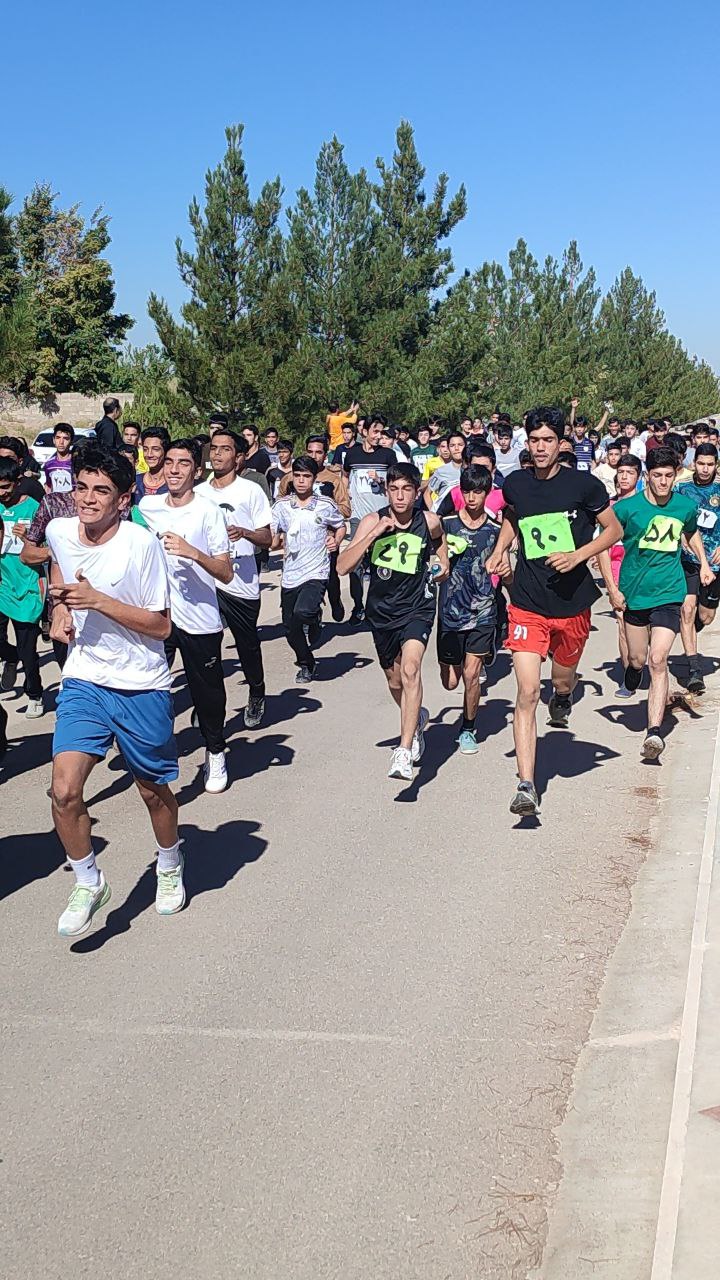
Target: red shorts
<point x="564" y="638"/>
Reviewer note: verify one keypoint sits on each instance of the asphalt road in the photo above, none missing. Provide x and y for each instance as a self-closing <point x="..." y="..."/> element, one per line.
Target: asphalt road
<point x="348" y="1055"/>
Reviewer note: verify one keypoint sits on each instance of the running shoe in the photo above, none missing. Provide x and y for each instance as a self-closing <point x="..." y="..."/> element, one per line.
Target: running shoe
<point x="9" y="676"/>
<point x="82" y="905"/>
<point x="170" y="896"/>
<point x="338" y="613"/>
<point x="3" y="731"/>
<point x="695" y="683"/>
<point x="468" y="743"/>
<point x="653" y="746"/>
<point x="622" y="691"/>
<point x="525" y="802"/>
<point x="357" y="617"/>
<point x="418" y="743"/>
<point x="305" y="675"/>
<point x="34" y="709"/>
<point x="559" y="709"/>
<point x="254" y="712"/>
<point x="215" y="771"/>
<point x="401" y="764"/>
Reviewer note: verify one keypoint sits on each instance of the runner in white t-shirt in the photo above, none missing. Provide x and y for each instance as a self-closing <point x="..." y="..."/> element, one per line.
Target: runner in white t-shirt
<point x="246" y="512"/>
<point x="112" y="598"/>
<point x="197" y="552"/>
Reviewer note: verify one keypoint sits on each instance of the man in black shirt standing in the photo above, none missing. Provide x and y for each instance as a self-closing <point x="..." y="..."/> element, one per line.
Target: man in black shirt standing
<point x="552" y="511"/>
<point x="107" y="432"/>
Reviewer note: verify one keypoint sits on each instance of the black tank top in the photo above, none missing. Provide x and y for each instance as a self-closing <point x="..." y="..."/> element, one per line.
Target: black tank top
<point x="400" y="583"/>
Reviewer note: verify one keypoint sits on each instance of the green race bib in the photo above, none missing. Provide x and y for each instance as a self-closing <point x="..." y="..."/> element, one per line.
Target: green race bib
<point x="399" y="552"/>
<point x="662" y="534"/>
<point x="544" y="535"/>
<point x="456" y="544"/>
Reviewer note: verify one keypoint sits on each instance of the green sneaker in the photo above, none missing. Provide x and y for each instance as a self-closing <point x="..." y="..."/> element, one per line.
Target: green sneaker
<point x="82" y="905"/>
<point x="170" y="896"/>
<point x="468" y="743"/>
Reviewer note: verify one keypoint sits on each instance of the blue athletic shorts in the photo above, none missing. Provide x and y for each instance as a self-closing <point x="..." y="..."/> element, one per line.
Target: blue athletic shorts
<point x="90" y="716"/>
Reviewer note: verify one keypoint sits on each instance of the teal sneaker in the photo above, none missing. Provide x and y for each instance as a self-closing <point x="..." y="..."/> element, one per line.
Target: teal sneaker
<point x="82" y="905"/>
<point x="170" y="896"/>
<point x="468" y="743"/>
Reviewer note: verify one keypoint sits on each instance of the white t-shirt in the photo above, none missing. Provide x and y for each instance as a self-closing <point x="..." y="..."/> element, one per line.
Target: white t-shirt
<point x="193" y="594"/>
<point x="305" y="530"/>
<point x="130" y="567"/>
<point x="244" y="504"/>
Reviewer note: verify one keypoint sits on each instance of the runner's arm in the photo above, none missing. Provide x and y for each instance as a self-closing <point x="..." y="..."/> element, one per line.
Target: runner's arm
<point x="697" y="547"/>
<point x="154" y="623"/>
<point x="499" y="562"/>
<point x="369" y="528"/>
<point x="218" y="566"/>
<point x="615" y="595"/>
<point x="612" y="532"/>
<point x="260" y="537"/>
<point x="437" y="533"/>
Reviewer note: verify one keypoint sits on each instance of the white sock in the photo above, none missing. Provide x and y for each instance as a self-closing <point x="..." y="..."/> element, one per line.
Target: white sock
<point x="169" y="859"/>
<point x="86" y="870"/>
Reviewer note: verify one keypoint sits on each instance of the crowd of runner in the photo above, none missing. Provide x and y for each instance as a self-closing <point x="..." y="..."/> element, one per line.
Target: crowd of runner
<point x="129" y="548"/>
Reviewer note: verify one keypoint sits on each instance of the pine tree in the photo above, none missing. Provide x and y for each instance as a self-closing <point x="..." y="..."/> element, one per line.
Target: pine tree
<point x="236" y="330"/>
<point x="147" y="372"/>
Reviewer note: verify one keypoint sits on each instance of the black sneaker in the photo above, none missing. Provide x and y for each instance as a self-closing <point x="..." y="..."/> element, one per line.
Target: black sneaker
<point x="695" y="683"/>
<point x="9" y="676"/>
<point x="3" y="731"/>
<point x="305" y="675"/>
<point x="357" y="617"/>
<point x="559" y="709"/>
<point x="653" y="746"/>
<point x="525" y="802"/>
<point x="338" y="613"/>
<point x="254" y="712"/>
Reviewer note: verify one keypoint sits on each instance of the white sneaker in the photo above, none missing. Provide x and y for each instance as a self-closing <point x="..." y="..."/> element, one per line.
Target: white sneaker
<point x="82" y="905"/>
<point x="418" y="742"/>
<point x="401" y="764"/>
<point x="170" y="896"/>
<point x="215" y="771"/>
<point x="34" y="709"/>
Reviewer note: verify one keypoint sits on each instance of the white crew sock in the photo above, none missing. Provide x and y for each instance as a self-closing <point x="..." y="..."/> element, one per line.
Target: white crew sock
<point x="169" y="859"/>
<point x="86" y="870"/>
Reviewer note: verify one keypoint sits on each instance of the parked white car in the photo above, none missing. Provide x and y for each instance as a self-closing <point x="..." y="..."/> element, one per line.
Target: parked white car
<point x="43" y="448"/>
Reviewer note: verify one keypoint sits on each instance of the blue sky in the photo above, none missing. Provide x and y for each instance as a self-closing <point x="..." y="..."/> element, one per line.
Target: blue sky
<point x="563" y="120"/>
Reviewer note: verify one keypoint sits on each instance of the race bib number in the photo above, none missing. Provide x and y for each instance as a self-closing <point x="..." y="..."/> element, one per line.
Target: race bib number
<point x="706" y="519"/>
<point x="544" y="535"/>
<point x="399" y="552"/>
<point x="662" y="534"/>
<point x="456" y="544"/>
<point x="11" y="546"/>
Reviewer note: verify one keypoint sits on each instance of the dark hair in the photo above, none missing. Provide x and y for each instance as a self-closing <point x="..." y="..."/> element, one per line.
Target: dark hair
<point x="425" y="427"/>
<point x="479" y="450"/>
<point x="64" y="426"/>
<point x="504" y="429"/>
<point x="221" y="419"/>
<point x="323" y="440"/>
<point x="376" y="420"/>
<point x="568" y="458"/>
<point x="157" y="433"/>
<point x="402" y="471"/>
<point x="305" y="464"/>
<point x="349" y="426"/>
<point x="130" y="423"/>
<point x="475" y="479"/>
<point x="524" y="457"/>
<point x="114" y="465"/>
<point x="201" y="437"/>
<point x="664" y="456"/>
<point x="615" y="444"/>
<point x="593" y="433"/>
<point x="706" y="451"/>
<point x="334" y="406"/>
<point x="269" y="429"/>
<point x="285" y="444"/>
<point x="389" y="431"/>
<point x="675" y="441"/>
<point x="250" y="426"/>
<point x="546" y="416"/>
<point x="455" y="435"/>
<point x="111" y="404"/>
<point x="241" y="444"/>
<point x="630" y="422"/>
<point x="10" y="470"/>
<point x="189" y="444"/>
<point x="630" y="461"/>
<point x="701" y="428"/>
<point x="581" y="421"/>
<point x="132" y="449"/>
<point x="12" y="443"/>
<point x="505" y="419"/>
<point x="714" y="431"/>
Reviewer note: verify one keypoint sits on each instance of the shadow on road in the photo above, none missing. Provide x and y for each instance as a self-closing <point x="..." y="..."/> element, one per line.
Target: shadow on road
<point x="25" y="859"/>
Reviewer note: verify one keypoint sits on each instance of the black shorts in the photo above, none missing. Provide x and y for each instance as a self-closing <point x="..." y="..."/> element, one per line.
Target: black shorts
<point x="389" y="641"/>
<point x="452" y="646"/>
<point x="663" y="615"/>
<point x="708" y="597"/>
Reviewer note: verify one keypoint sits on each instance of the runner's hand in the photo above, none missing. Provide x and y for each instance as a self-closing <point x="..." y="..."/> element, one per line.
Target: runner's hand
<point x="707" y="577"/>
<point x="563" y="561"/>
<point x="499" y="563"/>
<point x="177" y="546"/>
<point x="617" y="600"/>
<point x="385" y="524"/>
<point x="61" y="625"/>
<point x="76" y="595"/>
<point x="20" y="530"/>
<point x="235" y="533"/>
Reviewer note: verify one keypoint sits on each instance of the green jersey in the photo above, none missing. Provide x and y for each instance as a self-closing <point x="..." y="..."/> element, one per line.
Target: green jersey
<point x="20" y="585"/>
<point x="651" y="573"/>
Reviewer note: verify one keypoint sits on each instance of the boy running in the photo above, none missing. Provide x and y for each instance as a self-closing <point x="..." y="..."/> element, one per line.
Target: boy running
<point x="112" y="600"/>
<point x="21" y="598"/>
<point x="401" y="599"/>
<point x="701" y="602"/>
<point x="58" y="469"/>
<point x="652" y="582"/>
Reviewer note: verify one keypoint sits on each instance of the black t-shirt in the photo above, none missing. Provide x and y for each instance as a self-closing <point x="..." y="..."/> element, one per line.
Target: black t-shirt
<point x="31" y="488"/>
<point x="107" y="433"/>
<point x="400" y="583"/>
<point x="260" y="461"/>
<point x="553" y="515"/>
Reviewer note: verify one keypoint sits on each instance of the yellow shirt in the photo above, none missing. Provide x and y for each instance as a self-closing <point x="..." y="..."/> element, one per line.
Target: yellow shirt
<point x="431" y="465"/>
<point x="334" y="423"/>
<point x="142" y="465"/>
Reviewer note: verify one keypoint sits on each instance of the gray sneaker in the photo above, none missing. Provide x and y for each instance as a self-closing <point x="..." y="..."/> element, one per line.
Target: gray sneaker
<point x="254" y="712"/>
<point x="525" y="802"/>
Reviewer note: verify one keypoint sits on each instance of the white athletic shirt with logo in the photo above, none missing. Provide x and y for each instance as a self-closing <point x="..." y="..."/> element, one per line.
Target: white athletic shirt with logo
<point x="243" y="504"/>
<point x="130" y="567"/>
<point x="193" y="594"/>
<point x="305" y="532"/>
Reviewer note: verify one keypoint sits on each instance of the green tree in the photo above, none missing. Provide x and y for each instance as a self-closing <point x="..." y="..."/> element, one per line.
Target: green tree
<point x="9" y="264"/>
<point x="236" y="328"/>
<point x="148" y="373"/>
<point x="70" y="284"/>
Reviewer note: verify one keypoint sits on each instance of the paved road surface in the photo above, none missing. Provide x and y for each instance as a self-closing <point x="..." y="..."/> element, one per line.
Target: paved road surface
<point x="347" y="1057"/>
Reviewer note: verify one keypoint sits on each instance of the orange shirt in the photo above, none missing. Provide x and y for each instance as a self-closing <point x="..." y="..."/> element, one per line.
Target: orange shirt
<point x="334" y="423"/>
